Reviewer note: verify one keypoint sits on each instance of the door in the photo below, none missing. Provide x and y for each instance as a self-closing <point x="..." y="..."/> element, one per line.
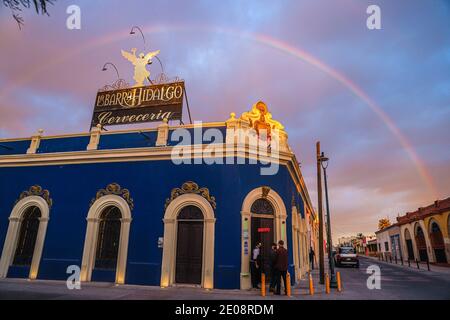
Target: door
<point x="421" y="244"/>
<point x="262" y="231"/>
<point x="409" y="246"/>
<point x="189" y="255"/>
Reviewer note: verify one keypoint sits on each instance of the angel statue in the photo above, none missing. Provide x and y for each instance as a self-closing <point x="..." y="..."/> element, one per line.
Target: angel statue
<point x="140" y="62"/>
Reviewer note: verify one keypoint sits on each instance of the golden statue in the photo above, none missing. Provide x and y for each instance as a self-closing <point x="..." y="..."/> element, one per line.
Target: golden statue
<point x="140" y="65"/>
<point x="260" y="118"/>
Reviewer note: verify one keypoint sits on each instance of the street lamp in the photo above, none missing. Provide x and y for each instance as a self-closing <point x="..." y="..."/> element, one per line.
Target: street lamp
<point x="143" y="38"/>
<point x="113" y="65"/>
<point x="134" y="32"/>
<point x="333" y="282"/>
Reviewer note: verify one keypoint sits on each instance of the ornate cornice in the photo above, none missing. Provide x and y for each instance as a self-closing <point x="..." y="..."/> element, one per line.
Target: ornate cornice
<point x="37" y="190"/>
<point x="114" y="189"/>
<point x="191" y="187"/>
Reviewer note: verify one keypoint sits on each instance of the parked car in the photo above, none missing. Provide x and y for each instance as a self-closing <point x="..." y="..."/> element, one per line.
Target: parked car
<point x="346" y="256"/>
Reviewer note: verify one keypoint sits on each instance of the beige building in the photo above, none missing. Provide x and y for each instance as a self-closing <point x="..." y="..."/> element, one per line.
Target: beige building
<point x="388" y="242"/>
<point x="424" y="233"/>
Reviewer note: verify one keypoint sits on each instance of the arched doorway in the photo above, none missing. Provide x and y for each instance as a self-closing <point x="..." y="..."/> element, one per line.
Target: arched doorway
<point x="421" y="244"/>
<point x="190" y="222"/>
<point x="108" y="239"/>
<point x="409" y="245"/>
<point x="262" y="222"/>
<point x="189" y="259"/>
<point x="278" y="218"/>
<point x="437" y="243"/>
<point x="27" y="237"/>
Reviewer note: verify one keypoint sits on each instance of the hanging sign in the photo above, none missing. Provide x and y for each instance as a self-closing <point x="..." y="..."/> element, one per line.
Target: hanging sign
<point x="139" y="104"/>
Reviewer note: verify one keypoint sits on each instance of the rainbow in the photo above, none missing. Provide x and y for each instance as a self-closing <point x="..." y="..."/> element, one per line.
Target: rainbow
<point x="261" y="39"/>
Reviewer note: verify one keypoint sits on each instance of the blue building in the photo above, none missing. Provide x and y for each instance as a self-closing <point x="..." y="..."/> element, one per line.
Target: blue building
<point x="153" y="207"/>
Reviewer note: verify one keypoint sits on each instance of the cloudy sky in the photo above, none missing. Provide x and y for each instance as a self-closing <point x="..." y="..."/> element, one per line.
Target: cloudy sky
<point x="378" y="100"/>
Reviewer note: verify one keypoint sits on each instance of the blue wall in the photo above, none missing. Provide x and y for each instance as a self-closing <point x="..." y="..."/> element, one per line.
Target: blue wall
<point x="150" y="182"/>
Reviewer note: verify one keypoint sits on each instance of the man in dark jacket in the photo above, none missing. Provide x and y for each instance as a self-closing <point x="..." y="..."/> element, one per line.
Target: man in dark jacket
<point x="281" y="266"/>
<point x="312" y="255"/>
<point x="273" y="261"/>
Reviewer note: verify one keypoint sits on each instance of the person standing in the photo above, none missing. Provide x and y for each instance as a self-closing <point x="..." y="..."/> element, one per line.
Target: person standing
<point x="281" y="266"/>
<point x="273" y="261"/>
<point x="312" y="255"/>
<point x="255" y="266"/>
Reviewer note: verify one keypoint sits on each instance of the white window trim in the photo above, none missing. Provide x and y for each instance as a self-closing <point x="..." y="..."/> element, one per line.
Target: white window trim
<point x="170" y="239"/>
<point x="280" y="228"/>
<point x="90" y="243"/>
<point x="13" y="233"/>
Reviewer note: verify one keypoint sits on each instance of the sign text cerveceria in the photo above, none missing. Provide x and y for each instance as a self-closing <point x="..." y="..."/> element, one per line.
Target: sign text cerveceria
<point x="139" y="104"/>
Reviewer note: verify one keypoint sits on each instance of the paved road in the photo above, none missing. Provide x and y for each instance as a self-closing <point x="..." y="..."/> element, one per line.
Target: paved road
<point x="396" y="283"/>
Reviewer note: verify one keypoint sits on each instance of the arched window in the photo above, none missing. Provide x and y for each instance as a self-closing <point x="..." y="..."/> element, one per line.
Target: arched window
<point x="421" y="244"/>
<point x="108" y="238"/>
<point x="262" y="206"/>
<point x="448" y="224"/>
<point x="190" y="213"/>
<point x="437" y="242"/>
<point x="27" y="237"/>
<point x="420" y="236"/>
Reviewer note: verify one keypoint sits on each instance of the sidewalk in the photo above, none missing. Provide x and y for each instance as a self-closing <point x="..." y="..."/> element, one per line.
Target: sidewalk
<point x="434" y="269"/>
<point x="301" y="289"/>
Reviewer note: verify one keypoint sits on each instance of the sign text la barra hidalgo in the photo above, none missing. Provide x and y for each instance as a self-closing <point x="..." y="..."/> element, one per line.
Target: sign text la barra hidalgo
<point x="139" y="104"/>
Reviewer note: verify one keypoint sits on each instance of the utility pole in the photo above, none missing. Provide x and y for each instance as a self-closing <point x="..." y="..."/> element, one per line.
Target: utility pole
<point x="333" y="282"/>
<point x="319" y="200"/>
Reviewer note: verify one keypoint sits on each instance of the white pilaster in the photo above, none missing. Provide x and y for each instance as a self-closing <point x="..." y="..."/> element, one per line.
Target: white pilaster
<point x="35" y="141"/>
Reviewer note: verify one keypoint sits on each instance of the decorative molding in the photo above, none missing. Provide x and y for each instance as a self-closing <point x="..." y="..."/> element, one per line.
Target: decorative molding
<point x="114" y="189"/>
<point x="191" y="187"/>
<point x="117" y="85"/>
<point x="37" y="190"/>
<point x="265" y="191"/>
